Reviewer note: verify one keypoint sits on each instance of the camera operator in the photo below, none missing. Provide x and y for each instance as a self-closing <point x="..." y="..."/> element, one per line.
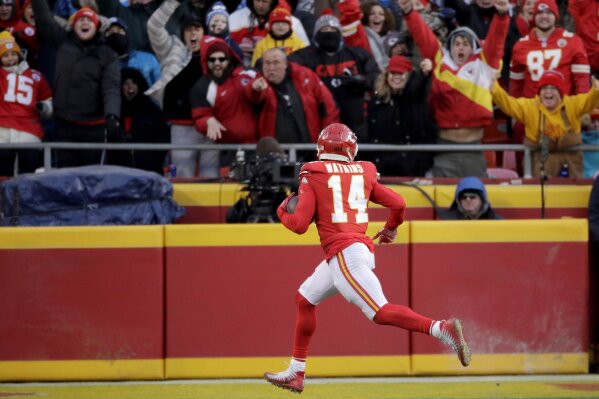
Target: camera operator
<point x="268" y="176"/>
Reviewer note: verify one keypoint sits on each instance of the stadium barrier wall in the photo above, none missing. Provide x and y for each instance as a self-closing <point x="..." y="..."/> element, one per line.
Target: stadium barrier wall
<point x="520" y="287"/>
<point x="208" y="202"/>
<point x="81" y="303"/>
<point x="213" y="301"/>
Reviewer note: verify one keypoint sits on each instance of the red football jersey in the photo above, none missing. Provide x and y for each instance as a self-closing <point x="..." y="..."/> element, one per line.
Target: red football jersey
<point x="20" y="93"/>
<point x="335" y="195"/>
<point x="563" y="52"/>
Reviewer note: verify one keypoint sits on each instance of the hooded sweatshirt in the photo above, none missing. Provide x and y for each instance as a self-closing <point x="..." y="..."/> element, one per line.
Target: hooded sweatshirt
<point x="456" y="212"/>
<point x="466" y="87"/>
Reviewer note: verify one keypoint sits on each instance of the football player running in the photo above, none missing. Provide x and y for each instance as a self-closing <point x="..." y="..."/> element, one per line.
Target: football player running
<point x="334" y="192"/>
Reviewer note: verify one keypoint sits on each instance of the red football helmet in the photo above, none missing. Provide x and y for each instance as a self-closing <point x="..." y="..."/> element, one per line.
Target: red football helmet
<point x="337" y="142"/>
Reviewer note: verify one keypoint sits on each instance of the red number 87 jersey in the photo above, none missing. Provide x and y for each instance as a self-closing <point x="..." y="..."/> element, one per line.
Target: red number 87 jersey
<point x="335" y="195"/>
<point x="563" y="52"/>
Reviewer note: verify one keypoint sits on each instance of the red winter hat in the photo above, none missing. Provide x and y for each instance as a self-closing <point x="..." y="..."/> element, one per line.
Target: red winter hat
<point x="279" y="14"/>
<point x="85" y="12"/>
<point x="399" y="64"/>
<point x="553" y="78"/>
<point x="217" y="47"/>
<point x="542" y="5"/>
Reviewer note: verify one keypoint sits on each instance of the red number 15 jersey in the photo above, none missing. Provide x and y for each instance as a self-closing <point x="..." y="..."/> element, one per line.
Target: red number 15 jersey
<point x="335" y="195"/>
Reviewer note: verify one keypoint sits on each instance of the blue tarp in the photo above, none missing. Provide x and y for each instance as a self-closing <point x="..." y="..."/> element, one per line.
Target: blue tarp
<point x="88" y="195"/>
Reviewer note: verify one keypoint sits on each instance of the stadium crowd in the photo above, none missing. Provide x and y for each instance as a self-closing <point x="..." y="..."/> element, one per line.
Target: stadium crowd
<point x="209" y="72"/>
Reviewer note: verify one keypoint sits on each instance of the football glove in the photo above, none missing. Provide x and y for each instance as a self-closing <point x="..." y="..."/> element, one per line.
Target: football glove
<point x="385" y="236"/>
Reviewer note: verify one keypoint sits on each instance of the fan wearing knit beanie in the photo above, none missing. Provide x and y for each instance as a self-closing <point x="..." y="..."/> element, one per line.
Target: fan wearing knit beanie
<point x="10" y="52"/>
<point x="348" y="71"/>
<point x="26" y="99"/>
<point x="87" y="80"/>
<point x="552" y="122"/>
<point x="217" y="19"/>
<point x="280" y="34"/>
<point x="546" y="46"/>
<point x="217" y="24"/>
<point x="327" y="32"/>
<point x="561" y="50"/>
<point x="220" y="110"/>
<point x="249" y="25"/>
<point x="85" y="23"/>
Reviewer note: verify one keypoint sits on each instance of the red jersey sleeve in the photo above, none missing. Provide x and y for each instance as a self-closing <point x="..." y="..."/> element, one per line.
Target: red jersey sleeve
<point x="353" y="31"/>
<point x="495" y="41"/>
<point x="423" y="36"/>
<point x="383" y="195"/>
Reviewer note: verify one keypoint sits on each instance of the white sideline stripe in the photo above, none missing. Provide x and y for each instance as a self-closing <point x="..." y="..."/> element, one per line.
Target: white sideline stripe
<point x="377" y="380"/>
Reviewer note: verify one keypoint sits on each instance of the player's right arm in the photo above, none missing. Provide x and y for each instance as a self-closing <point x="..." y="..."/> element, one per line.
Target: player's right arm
<point x="300" y="219"/>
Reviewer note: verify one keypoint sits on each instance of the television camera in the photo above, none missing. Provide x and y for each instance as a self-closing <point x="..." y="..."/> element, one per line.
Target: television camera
<point x="268" y="179"/>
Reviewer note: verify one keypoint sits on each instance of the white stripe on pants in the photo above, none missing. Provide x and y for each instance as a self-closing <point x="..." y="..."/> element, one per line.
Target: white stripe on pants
<point x="353" y="277"/>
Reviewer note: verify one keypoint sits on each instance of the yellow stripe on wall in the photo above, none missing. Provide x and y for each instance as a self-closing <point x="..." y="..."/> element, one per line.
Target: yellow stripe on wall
<point x="320" y="366"/>
<point x="254" y="367"/>
<point x="81" y="370"/>
<point x="518" y="231"/>
<point x="505" y="363"/>
<point x="413" y="197"/>
<point x="226" y="194"/>
<point x="525" y="196"/>
<point x="275" y="234"/>
<point x="81" y="237"/>
<point x="207" y="194"/>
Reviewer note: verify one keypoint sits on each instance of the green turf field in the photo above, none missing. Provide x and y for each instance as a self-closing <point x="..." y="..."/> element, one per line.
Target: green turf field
<point x="528" y="387"/>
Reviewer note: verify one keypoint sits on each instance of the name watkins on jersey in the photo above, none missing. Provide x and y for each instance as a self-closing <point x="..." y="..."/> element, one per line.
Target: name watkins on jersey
<point x="341" y="168"/>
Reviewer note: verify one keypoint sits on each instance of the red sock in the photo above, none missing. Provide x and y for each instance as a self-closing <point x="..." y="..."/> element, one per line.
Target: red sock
<point x="402" y="317"/>
<point x="305" y="325"/>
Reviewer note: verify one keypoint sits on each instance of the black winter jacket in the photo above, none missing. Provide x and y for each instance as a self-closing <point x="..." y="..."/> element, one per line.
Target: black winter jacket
<point x="87" y="75"/>
<point x="403" y="120"/>
<point x="335" y="71"/>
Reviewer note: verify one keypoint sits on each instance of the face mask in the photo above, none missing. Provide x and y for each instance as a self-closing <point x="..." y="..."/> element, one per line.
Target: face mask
<point x="328" y="41"/>
<point x="119" y="43"/>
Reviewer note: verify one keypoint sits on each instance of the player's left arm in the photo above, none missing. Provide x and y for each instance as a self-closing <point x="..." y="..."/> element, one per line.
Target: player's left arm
<point x="383" y="195"/>
<point x="300" y="219"/>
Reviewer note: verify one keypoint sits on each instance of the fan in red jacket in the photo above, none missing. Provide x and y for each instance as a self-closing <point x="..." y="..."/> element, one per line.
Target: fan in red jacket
<point x="10" y="20"/>
<point x="296" y="105"/>
<point x="218" y="105"/>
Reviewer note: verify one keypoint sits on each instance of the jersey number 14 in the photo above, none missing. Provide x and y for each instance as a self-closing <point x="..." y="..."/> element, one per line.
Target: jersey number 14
<point x="356" y="199"/>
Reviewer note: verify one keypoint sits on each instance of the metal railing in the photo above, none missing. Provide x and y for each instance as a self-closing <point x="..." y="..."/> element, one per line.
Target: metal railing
<point x="292" y="149"/>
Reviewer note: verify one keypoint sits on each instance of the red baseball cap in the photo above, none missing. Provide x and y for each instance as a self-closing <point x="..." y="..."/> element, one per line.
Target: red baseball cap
<point x="399" y="64"/>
